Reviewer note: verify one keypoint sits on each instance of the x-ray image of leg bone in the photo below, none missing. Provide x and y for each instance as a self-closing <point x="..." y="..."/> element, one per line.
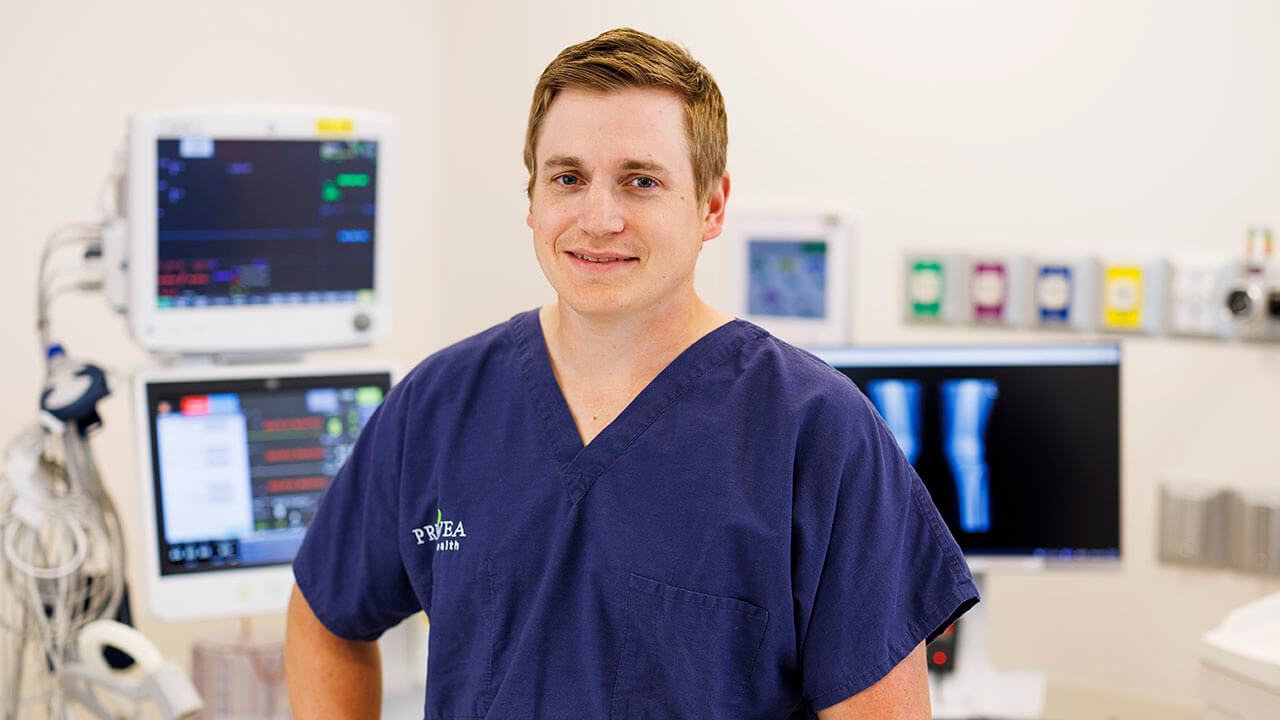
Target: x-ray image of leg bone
<point x="899" y="404"/>
<point x="966" y="408"/>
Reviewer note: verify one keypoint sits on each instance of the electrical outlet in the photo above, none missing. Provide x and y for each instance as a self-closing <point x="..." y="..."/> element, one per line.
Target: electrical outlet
<point x="1196" y="284"/>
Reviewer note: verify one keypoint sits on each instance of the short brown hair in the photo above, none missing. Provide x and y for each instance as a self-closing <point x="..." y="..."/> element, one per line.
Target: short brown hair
<point x="624" y="58"/>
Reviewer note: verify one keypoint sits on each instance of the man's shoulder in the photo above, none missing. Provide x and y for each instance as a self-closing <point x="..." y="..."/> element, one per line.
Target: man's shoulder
<point x="771" y="362"/>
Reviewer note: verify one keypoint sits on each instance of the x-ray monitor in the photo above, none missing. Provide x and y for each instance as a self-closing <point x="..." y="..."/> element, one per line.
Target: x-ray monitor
<point x="235" y="464"/>
<point x="1019" y="447"/>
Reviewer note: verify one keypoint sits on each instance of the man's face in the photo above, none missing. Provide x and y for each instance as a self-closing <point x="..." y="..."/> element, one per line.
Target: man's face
<point x="616" y="221"/>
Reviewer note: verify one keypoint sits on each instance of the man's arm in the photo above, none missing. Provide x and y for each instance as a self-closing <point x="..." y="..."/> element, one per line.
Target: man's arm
<point x="327" y="675"/>
<point x="903" y="694"/>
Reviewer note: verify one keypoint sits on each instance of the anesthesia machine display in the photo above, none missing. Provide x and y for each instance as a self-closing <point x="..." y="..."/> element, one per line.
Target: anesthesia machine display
<point x="238" y="461"/>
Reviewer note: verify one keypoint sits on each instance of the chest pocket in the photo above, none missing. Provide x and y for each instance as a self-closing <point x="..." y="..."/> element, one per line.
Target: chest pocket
<point x="460" y="673"/>
<point x="685" y="654"/>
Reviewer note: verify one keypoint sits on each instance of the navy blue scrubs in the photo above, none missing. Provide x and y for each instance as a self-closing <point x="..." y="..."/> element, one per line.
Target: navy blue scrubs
<point x="745" y="540"/>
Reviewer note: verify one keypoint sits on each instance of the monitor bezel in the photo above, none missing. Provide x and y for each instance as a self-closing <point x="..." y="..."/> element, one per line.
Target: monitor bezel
<point x="1092" y="353"/>
<point x="837" y="230"/>
<point x="253" y="328"/>
<point x="225" y="592"/>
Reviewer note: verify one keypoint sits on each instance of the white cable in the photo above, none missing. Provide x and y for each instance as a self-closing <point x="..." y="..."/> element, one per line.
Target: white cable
<point x="80" y="544"/>
<point x="67" y="235"/>
<point x="65" y="570"/>
<point x="83" y="274"/>
<point x="109" y="183"/>
<point x="61" y="552"/>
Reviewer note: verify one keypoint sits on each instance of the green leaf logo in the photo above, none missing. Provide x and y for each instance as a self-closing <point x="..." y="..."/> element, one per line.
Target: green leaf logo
<point x="439" y="517"/>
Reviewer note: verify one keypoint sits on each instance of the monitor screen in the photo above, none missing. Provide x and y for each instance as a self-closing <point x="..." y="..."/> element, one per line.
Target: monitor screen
<point x="238" y="465"/>
<point x="256" y="229"/>
<point x="787" y="278"/>
<point x="251" y="222"/>
<point x="1019" y="447"/>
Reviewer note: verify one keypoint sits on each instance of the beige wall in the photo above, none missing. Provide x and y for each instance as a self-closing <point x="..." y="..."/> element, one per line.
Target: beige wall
<point x="1075" y="127"/>
<point x="70" y="73"/>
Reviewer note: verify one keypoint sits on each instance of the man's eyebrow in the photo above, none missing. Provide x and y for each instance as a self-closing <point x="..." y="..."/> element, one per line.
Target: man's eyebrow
<point x="560" y="161"/>
<point x="571" y="161"/>
<point x="645" y="165"/>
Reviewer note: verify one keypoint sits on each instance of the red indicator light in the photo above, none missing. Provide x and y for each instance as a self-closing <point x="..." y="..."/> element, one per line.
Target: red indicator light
<point x="195" y="405"/>
<point x="939" y="658"/>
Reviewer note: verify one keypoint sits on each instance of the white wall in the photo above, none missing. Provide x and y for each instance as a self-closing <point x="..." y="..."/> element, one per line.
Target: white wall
<point x="1128" y="127"/>
<point x="69" y="76"/>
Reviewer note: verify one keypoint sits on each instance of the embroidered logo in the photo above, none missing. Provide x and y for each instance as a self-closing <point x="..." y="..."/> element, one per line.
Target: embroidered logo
<point x="444" y="533"/>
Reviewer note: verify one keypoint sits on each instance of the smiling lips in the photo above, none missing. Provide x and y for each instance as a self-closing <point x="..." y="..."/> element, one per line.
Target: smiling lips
<point x="600" y="259"/>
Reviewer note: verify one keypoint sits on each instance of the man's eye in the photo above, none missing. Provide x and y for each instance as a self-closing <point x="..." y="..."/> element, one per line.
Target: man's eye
<point x="566" y="180"/>
<point x="644" y="183"/>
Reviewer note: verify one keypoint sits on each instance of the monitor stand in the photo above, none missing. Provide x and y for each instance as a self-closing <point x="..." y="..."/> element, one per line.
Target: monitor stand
<point x="975" y="688"/>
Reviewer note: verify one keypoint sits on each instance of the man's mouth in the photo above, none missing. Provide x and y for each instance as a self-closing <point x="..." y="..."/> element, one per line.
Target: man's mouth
<point x="594" y="259"/>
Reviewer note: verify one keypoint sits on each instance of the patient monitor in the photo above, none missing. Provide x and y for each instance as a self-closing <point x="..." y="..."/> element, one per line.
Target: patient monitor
<point x="254" y="229"/>
<point x="236" y="460"/>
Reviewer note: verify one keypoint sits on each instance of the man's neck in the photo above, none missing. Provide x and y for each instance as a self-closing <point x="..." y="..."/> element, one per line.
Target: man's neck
<point x="603" y="364"/>
<point x="626" y="349"/>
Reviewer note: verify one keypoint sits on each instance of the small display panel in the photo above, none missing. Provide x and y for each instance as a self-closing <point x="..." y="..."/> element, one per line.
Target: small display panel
<point x="1019" y="447"/>
<point x="249" y="222"/>
<point x="239" y="465"/>
<point x="787" y="278"/>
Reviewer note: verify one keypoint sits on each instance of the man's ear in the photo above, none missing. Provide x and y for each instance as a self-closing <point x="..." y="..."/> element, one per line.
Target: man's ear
<point x="713" y="220"/>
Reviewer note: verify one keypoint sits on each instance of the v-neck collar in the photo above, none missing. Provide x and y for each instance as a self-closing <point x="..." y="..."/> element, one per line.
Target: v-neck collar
<point x="580" y="466"/>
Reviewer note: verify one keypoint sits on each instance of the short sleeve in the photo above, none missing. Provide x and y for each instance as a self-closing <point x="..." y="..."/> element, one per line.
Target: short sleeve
<point x="349" y="567"/>
<point x="878" y="571"/>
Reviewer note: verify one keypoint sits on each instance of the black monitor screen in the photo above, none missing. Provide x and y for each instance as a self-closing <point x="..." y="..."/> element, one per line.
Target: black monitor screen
<point x="244" y="222"/>
<point x="1019" y="447"/>
<point x="239" y="466"/>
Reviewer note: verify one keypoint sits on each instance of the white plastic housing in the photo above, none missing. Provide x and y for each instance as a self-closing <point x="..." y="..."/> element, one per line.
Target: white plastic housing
<point x="253" y="328"/>
<point x="833" y="230"/>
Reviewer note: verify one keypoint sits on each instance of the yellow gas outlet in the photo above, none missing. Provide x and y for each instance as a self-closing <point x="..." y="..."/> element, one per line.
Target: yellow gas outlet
<point x="1122" y="292"/>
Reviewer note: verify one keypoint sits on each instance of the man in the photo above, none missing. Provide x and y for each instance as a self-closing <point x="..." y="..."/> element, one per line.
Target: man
<point x="627" y="504"/>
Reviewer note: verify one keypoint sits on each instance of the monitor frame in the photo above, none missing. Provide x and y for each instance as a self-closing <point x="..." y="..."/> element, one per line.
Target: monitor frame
<point x="1093" y="353"/>
<point x="226" y="592"/>
<point x="834" y="228"/>
<point x="253" y="328"/>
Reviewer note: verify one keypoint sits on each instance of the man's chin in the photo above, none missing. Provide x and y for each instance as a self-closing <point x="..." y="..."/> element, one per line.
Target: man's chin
<point x="598" y="311"/>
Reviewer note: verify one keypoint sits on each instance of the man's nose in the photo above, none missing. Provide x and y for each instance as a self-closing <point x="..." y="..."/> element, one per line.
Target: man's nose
<point x="601" y="212"/>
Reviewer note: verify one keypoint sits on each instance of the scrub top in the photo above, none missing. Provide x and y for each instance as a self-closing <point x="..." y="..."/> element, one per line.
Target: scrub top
<point x="744" y="541"/>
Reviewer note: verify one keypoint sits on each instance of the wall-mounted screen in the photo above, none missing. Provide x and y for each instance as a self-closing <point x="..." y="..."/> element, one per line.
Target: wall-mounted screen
<point x="1019" y="447"/>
